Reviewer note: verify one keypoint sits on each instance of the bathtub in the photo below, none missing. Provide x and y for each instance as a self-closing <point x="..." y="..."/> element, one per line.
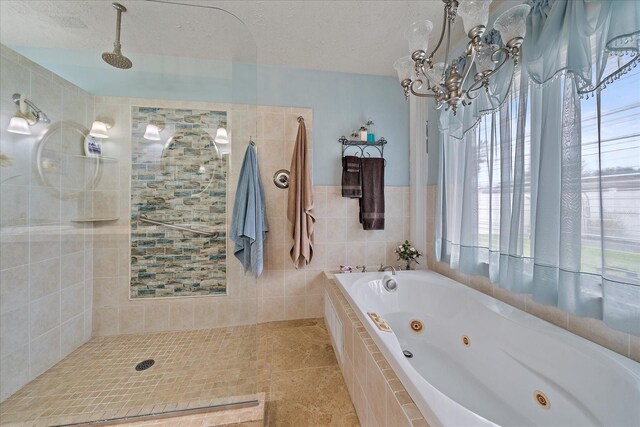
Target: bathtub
<point x="480" y="362"/>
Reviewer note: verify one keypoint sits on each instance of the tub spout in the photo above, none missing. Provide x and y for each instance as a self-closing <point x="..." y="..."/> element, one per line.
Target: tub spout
<point x="388" y="267"/>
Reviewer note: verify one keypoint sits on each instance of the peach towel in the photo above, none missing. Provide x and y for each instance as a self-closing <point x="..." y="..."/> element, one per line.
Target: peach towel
<point x="300" y="206"/>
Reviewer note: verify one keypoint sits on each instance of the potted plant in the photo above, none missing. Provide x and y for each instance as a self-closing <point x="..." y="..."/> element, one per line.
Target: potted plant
<point x="406" y="252"/>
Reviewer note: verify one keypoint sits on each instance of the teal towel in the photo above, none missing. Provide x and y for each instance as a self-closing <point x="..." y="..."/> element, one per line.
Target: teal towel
<point x="249" y="222"/>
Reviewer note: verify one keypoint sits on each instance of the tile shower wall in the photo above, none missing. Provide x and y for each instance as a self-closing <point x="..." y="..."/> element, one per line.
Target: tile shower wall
<point x="592" y="329"/>
<point x="45" y="260"/>
<point x="183" y="182"/>
<point x="282" y="292"/>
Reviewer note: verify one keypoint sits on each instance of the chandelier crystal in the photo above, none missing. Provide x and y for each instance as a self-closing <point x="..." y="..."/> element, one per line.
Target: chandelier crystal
<point x="448" y="84"/>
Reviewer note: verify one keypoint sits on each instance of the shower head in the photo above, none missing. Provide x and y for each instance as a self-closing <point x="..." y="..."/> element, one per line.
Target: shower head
<point x="116" y="58"/>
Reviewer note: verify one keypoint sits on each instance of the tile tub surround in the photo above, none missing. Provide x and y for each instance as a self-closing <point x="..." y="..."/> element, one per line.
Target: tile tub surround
<point x="282" y="292"/>
<point x="591" y="329"/>
<point x="45" y="260"/>
<point x="181" y="181"/>
<point x="378" y="395"/>
<point x="291" y="362"/>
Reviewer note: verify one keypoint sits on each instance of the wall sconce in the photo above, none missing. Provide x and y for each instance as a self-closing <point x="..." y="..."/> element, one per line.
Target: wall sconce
<point x="24" y="118"/>
<point x="152" y="133"/>
<point x="99" y="130"/>
<point x="221" y="134"/>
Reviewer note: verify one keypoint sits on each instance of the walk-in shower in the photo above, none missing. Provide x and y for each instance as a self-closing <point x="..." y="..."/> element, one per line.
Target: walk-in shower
<point x="113" y="243"/>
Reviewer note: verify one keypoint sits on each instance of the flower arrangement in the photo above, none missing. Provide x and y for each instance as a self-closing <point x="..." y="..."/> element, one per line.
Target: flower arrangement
<point x="408" y="253"/>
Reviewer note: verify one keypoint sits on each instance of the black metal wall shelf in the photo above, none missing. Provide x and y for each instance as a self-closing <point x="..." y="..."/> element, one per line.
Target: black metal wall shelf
<point x="363" y="147"/>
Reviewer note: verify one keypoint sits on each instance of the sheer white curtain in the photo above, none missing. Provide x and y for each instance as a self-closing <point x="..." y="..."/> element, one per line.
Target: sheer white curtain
<point x="542" y="194"/>
<point x="418" y="112"/>
<point x="532" y="198"/>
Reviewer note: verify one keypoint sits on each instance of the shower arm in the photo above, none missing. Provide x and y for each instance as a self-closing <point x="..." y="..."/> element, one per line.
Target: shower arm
<point x="213" y="234"/>
<point x="119" y="8"/>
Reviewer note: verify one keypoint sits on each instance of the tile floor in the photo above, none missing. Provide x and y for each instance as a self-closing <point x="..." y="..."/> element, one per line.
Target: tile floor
<point x="292" y="362"/>
<point x="301" y="377"/>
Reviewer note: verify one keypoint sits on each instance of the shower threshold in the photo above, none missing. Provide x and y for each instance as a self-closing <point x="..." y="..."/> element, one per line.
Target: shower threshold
<point x="230" y="408"/>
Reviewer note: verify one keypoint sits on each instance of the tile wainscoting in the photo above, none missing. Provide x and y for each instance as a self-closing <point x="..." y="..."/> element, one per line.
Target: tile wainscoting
<point x="592" y="329"/>
<point x="378" y="395"/>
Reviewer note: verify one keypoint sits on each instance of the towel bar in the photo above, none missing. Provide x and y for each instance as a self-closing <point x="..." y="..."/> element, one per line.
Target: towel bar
<point x="363" y="146"/>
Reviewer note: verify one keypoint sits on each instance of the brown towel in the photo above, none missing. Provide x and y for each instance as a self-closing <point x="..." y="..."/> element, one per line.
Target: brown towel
<point x="300" y="208"/>
<point x="372" y="200"/>
<point x="351" y="177"/>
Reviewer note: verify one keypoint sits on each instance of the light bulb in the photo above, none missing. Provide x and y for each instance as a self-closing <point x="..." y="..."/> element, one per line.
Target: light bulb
<point x="19" y="125"/>
<point x="221" y="136"/>
<point x="417" y="36"/>
<point x="474" y="13"/>
<point x="513" y="23"/>
<point x="152" y="133"/>
<point x="404" y="68"/>
<point x="99" y="130"/>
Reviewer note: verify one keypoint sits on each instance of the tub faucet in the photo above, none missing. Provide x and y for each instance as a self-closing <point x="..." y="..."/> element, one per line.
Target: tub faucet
<point x="363" y="267"/>
<point x="388" y="267"/>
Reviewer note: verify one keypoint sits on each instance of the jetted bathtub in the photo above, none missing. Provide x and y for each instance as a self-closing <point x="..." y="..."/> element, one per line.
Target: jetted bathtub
<point x="478" y="361"/>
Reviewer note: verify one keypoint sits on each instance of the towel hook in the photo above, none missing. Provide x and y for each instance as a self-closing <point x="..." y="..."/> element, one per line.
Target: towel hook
<point x="300" y="119"/>
<point x="251" y="142"/>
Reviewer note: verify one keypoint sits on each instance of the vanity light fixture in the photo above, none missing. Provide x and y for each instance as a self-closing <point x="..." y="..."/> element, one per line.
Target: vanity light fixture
<point x="28" y="115"/>
<point x="99" y="130"/>
<point x="152" y="133"/>
<point x="221" y="134"/>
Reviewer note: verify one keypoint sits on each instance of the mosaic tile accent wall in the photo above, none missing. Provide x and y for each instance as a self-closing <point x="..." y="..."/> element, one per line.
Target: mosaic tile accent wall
<point x="181" y="180"/>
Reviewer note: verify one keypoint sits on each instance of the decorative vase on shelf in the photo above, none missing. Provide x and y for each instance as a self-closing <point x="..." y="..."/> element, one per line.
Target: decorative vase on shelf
<point x="408" y="266"/>
<point x="371" y="134"/>
<point x="363" y="134"/>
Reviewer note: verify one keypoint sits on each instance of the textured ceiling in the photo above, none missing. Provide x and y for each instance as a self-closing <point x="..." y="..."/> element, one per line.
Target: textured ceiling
<point x="346" y="36"/>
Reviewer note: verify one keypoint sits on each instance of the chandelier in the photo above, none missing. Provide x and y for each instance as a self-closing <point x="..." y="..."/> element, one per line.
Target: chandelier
<point x="446" y="83"/>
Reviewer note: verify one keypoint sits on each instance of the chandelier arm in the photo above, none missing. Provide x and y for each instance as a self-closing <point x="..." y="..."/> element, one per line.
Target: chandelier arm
<point x="474" y="90"/>
<point x="446" y="53"/>
<point x="420" y="94"/>
<point x="471" y="59"/>
<point x="444" y="27"/>
<point x="484" y="76"/>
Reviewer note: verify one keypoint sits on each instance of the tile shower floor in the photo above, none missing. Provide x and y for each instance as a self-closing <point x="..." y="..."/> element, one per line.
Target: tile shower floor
<point x="292" y="362"/>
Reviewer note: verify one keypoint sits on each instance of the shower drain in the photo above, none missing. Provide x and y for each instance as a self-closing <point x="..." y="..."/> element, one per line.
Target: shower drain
<point x="145" y="364"/>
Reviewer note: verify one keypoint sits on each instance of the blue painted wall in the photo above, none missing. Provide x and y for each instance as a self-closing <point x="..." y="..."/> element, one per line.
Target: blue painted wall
<point x="341" y="102"/>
